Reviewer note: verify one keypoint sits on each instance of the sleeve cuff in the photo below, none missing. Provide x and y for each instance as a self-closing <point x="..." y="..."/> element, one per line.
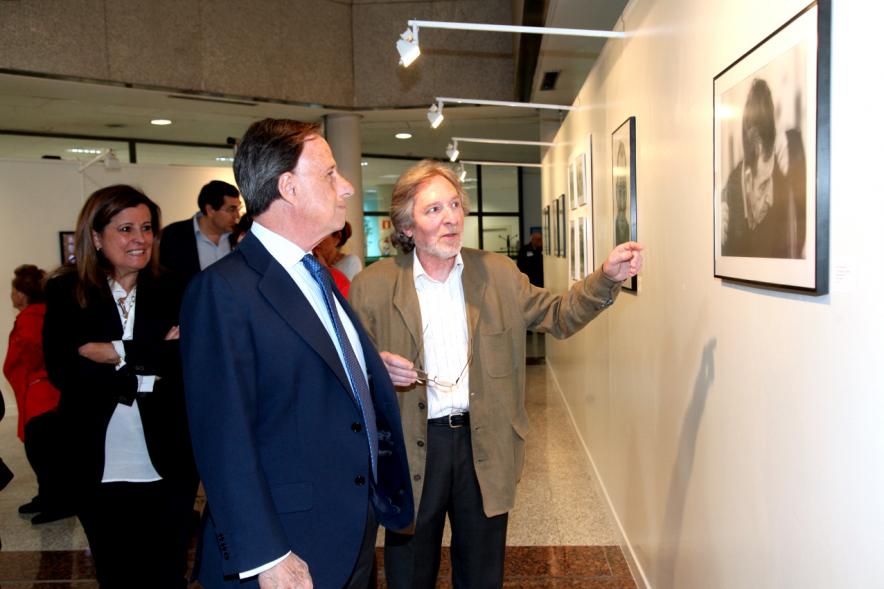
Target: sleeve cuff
<point x="121" y="352"/>
<point x="262" y="568"/>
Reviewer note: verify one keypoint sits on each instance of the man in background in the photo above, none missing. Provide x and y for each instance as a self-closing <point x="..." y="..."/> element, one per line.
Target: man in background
<point x="188" y="246"/>
<point x="530" y="260"/>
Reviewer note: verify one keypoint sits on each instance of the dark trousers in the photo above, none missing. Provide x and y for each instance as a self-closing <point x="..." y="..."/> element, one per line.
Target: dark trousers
<point x="45" y="449"/>
<point x="139" y="533"/>
<point x="364" y="574"/>
<point x="478" y="543"/>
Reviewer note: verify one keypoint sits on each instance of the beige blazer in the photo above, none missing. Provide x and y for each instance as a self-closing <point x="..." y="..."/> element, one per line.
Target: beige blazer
<point x="501" y="305"/>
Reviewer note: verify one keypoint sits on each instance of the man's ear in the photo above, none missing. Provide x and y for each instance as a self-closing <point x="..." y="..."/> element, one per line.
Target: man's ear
<point x="286" y="186"/>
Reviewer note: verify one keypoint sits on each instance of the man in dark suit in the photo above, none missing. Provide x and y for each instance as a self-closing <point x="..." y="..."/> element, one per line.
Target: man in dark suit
<point x="295" y="423"/>
<point x="192" y="245"/>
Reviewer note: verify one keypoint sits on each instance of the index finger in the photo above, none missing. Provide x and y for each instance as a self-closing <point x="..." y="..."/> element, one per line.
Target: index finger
<point x="396" y="360"/>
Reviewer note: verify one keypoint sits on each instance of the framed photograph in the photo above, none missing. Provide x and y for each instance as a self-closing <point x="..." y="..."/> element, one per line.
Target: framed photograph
<point x="554" y="236"/>
<point x="771" y="158"/>
<point x="572" y="185"/>
<point x="586" y="249"/>
<point x="546" y="234"/>
<point x="67" y="252"/>
<point x="580" y="179"/>
<point x="624" y="189"/>
<point x="575" y="258"/>
<point x="561" y="238"/>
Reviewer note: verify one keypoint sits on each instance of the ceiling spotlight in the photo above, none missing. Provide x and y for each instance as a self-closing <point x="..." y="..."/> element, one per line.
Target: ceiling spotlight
<point x="161" y="122"/>
<point x="461" y="172"/>
<point x="403" y="135"/>
<point x="407" y="47"/>
<point x="452" y="151"/>
<point x="434" y="115"/>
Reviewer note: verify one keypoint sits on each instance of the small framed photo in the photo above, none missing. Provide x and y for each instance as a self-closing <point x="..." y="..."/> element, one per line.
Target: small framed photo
<point x="66" y="248"/>
<point x="572" y="185"/>
<point x="771" y="158"/>
<point x="561" y="228"/>
<point x="575" y="247"/>
<point x="580" y="179"/>
<point x="547" y="239"/>
<point x="623" y="174"/>
<point x="586" y="249"/>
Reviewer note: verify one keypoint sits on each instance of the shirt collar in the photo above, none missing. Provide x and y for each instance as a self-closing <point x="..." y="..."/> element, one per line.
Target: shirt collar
<point x="196" y="226"/>
<point x="287" y="253"/>
<point x="420" y="274"/>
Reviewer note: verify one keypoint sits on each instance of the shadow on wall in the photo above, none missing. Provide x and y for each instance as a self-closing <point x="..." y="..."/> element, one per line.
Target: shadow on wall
<point x="673" y="518"/>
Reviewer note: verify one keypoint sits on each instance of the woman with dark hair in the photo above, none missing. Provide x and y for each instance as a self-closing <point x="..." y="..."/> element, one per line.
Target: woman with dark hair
<point x="111" y="345"/>
<point x="36" y="398"/>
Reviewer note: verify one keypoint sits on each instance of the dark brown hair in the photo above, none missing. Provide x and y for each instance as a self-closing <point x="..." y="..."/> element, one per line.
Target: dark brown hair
<point x="29" y="281"/>
<point x="93" y="268"/>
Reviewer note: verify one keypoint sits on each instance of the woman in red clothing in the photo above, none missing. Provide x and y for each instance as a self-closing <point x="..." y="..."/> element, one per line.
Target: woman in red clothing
<point x="37" y="399"/>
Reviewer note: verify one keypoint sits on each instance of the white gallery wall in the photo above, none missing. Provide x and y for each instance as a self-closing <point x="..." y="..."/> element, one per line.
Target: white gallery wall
<point x="41" y="198"/>
<point x="737" y="432"/>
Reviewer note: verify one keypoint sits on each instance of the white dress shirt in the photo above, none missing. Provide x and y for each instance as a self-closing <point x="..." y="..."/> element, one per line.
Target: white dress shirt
<point x="446" y="339"/>
<point x="289" y="257"/>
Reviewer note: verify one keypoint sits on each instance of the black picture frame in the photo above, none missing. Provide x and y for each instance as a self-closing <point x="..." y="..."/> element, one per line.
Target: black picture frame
<point x="547" y="236"/>
<point x="67" y="253"/>
<point x="777" y="235"/>
<point x="623" y="189"/>
<point x="561" y="228"/>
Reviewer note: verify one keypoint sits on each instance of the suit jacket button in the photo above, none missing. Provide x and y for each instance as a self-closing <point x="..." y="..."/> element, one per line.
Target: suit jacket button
<point x="360" y="480"/>
<point x="417" y="477"/>
<point x="421" y="406"/>
<point x="356" y="427"/>
<point x="420" y="443"/>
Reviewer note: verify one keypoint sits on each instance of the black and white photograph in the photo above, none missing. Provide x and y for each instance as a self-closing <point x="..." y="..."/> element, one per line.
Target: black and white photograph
<point x="66" y="248"/>
<point x="624" y="190"/>
<point x="766" y="195"/>
<point x="561" y="228"/>
<point x="572" y="185"/>
<point x="575" y="248"/>
<point x="547" y="240"/>
<point x="580" y="179"/>
<point x="584" y="233"/>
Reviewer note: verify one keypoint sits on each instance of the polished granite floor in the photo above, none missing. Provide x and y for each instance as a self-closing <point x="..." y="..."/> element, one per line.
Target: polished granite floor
<point x="559" y="535"/>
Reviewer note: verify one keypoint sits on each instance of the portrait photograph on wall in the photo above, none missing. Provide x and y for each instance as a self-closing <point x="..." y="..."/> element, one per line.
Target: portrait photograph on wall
<point x="575" y="257"/>
<point x="547" y="239"/>
<point x="586" y="249"/>
<point x="580" y="179"/>
<point x="624" y="189"/>
<point x="572" y="184"/>
<point x="771" y="158"/>
<point x="561" y="227"/>
<point x="66" y="247"/>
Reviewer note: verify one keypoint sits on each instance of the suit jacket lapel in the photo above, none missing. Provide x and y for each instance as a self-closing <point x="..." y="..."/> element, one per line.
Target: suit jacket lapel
<point x="406" y="302"/>
<point x="473" y="290"/>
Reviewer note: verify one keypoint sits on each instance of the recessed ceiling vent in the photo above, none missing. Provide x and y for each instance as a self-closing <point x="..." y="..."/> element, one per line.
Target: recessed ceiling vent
<point x="549" y="81"/>
<point x="215" y="100"/>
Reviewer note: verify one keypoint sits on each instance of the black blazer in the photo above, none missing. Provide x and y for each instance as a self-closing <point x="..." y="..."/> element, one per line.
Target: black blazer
<point x="178" y="251"/>
<point x="90" y="391"/>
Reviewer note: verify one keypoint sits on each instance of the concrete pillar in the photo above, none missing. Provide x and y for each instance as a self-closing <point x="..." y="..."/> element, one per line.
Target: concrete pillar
<point x="343" y="135"/>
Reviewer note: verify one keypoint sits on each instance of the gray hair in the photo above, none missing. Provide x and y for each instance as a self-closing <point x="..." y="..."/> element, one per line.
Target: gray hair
<point x="404" y="192"/>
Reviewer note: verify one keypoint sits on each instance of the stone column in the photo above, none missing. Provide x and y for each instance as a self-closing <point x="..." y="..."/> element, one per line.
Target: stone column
<point x="343" y="135"/>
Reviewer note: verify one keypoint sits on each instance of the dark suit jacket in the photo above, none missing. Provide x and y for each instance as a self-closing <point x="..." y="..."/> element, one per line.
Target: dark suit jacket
<point x="277" y="434"/>
<point x="178" y="251"/>
<point x="90" y="391"/>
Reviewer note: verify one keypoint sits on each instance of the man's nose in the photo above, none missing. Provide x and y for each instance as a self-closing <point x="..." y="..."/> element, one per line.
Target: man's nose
<point x="346" y="189"/>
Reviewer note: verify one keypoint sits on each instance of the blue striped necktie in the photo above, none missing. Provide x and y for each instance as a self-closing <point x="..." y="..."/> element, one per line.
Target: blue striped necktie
<point x="351" y="363"/>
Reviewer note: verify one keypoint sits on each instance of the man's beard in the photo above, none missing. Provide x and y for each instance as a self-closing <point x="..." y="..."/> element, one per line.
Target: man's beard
<point x="444" y="252"/>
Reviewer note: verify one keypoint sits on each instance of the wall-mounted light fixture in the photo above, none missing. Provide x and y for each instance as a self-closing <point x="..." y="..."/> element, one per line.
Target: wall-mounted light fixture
<point x="452" y="151"/>
<point x="434" y="115"/>
<point x="506" y="164"/>
<point x="408" y="48"/>
<point x="107" y="156"/>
